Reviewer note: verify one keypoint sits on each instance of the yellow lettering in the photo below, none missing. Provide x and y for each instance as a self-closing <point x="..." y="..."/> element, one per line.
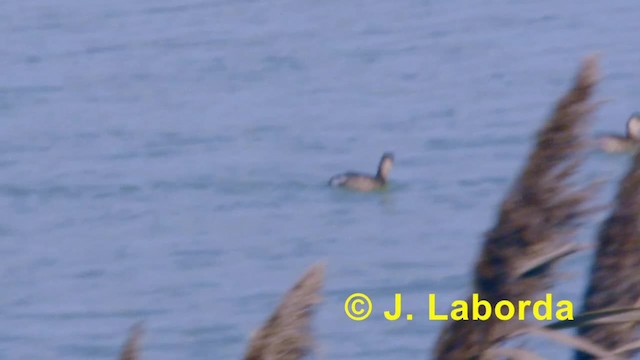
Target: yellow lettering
<point x="510" y="310"/>
<point x="547" y="303"/>
<point x="460" y="311"/>
<point x="522" y="308"/>
<point x="568" y="310"/>
<point x="432" y="309"/>
<point x="476" y="306"/>
<point x="398" y="307"/>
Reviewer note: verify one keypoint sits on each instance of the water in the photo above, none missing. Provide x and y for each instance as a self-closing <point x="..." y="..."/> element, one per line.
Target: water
<point x="166" y="160"/>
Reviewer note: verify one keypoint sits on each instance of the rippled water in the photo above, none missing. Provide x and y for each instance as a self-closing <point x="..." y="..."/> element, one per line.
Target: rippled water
<point x="166" y="160"/>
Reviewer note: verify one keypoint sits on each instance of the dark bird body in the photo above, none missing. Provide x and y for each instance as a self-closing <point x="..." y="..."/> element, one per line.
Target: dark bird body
<point x="362" y="182"/>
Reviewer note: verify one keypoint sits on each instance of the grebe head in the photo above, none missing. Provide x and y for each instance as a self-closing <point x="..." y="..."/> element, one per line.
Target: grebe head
<point x="386" y="163"/>
<point x="633" y="127"/>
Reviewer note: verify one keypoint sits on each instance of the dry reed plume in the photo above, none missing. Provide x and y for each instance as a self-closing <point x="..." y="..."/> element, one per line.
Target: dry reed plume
<point x="615" y="275"/>
<point x="287" y="335"/>
<point x="535" y="223"/>
<point x="131" y="348"/>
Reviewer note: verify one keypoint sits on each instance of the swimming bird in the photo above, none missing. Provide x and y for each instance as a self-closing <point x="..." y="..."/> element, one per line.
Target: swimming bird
<point x="628" y="143"/>
<point x="361" y="182"/>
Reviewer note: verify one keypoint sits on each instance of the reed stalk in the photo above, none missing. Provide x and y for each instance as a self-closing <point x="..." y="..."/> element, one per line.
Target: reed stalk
<point x="131" y="348"/>
<point x="286" y="335"/>
<point x="615" y="273"/>
<point x="535" y="224"/>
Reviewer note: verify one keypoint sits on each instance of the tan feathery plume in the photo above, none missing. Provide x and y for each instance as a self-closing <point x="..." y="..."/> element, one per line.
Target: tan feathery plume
<point x="535" y="222"/>
<point x="131" y="348"/>
<point x="287" y="335"/>
<point x="615" y="275"/>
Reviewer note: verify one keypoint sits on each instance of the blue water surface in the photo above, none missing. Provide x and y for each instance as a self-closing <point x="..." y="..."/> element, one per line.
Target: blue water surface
<point x="167" y="160"/>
